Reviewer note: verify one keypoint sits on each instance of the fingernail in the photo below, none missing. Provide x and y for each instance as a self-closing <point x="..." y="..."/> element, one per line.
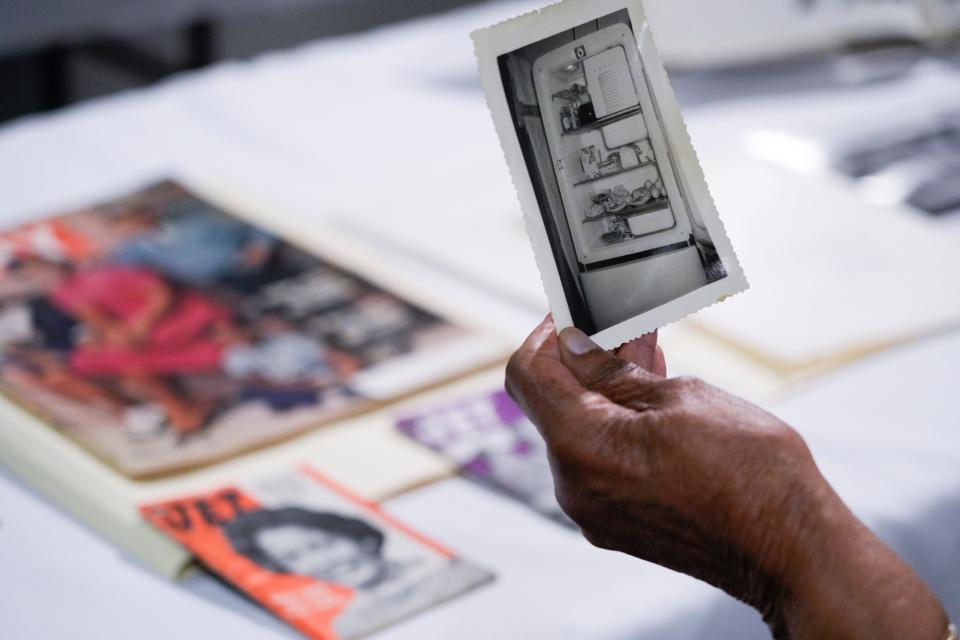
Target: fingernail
<point x="577" y="342"/>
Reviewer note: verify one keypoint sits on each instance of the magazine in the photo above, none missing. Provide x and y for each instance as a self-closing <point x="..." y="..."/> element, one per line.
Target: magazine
<point x="162" y="333"/>
<point x="492" y="442"/>
<point x="330" y="564"/>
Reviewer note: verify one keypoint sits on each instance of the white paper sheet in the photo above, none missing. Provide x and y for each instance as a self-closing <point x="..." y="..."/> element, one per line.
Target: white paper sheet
<point x="833" y="276"/>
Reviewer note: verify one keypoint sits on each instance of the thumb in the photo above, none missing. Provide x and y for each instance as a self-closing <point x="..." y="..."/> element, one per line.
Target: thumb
<point x="620" y="381"/>
<point x="593" y="367"/>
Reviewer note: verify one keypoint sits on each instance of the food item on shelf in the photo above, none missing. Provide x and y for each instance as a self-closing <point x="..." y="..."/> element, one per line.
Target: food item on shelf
<point x="611" y="165"/>
<point x="615" y="230"/>
<point x="641" y="196"/>
<point x="586" y="114"/>
<point x="570" y="112"/>
<point x="577" y="93"/>
<point x="590" y="161"/>
<point x="657" y="190"/>
<point x="618" y="200"/>
<point x="644" y="152"/>
<point x="629" y="157"/>
<point x="568" y="117"/>
<point x="578" y="108"/>
<point x="596" y="211"/>
<point x="612" y="237"/>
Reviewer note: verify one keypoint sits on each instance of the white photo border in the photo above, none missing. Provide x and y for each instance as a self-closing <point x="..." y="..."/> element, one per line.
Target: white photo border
<point x="509" y="36"/>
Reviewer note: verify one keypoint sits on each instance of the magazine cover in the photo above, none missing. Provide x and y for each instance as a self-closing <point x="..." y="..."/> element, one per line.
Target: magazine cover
<point x="492" y="442"/>
<point x="325" y="561"/>
<point x="163" y="333"/>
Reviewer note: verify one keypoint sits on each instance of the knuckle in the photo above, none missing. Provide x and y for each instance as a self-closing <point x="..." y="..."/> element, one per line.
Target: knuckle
<point x="596" y="539"/>
<point x="688" y="384"/>
<point x="576" y="510"/>
<point x="568" y="503"/>
<point x="610" y="373"/>
<point x="514" y="376"/>
<point x="687" y="391"/>
<point x="788" y="440"/>
<point x="514" y="367"/>
<point x="572" y="457"/>
<point x="566" y="459"/>
<point x="632" y="387"/>
<point x="624" y="381"/>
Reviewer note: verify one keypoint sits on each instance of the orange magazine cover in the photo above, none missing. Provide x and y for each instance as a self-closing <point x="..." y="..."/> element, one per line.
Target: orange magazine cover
<point x="327" y="562"/>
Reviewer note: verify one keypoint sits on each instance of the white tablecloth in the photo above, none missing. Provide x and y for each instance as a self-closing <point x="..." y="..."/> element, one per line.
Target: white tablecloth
<point x="390" y="128"/>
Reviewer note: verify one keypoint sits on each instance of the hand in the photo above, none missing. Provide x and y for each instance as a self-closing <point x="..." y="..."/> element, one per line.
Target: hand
<point x="684" y="475"/>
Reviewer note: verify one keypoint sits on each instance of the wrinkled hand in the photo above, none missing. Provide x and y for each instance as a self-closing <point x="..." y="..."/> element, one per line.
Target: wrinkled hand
<point x="684" y="475"/>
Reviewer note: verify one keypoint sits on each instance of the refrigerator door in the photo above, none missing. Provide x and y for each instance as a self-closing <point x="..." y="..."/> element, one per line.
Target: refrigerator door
<point x="610" y="154"/>
<point x="609" y="82"/>
<point x="620" y="293"/>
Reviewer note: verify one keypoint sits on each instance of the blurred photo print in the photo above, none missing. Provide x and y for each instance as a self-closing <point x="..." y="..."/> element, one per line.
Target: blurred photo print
<point x="916" y="163"/>
<point x="323" y="560"/>
<point x="162" y="332"/>
<point x="625" y="232"/>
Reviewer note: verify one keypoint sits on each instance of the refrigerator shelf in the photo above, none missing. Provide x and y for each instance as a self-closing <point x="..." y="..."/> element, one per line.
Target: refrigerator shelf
<point x="602" y="122"/>
<point x="568" y="96"/>
<point x="615" y="173"/>
<point x="629" y="237"/>
<point x="629" y="212"/>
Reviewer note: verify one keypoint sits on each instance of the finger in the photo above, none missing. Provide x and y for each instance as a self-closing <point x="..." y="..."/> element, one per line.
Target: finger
<point x="659" y="363"/>
<point x="586" y="360"/>
<point x="518" y="371"/>
<point x="622" y="382"/>
<point x="535" y="370"/>
<point x="546" y="390"/>
<point x="641" y="352"/>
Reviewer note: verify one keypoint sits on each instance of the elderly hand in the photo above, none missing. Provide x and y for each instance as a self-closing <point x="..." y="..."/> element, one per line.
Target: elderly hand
<point x="684" y="475"/>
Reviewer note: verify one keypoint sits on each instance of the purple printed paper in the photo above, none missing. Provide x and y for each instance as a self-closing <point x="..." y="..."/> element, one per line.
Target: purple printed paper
<point x="491" y="441"/>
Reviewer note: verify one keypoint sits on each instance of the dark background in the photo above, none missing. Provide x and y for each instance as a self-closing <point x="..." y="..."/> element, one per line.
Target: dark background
<point x="55" y="52"/>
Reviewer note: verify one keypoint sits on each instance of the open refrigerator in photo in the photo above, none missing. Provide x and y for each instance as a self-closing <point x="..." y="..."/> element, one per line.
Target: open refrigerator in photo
<point x="625" y="233"/>
<point x="631" y="224"/>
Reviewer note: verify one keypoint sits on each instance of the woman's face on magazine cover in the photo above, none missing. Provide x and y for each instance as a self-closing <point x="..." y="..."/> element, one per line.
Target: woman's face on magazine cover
<point x="321" y="555"/>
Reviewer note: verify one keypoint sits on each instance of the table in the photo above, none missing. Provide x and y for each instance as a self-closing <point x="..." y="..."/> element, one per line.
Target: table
<point x="331" y="132"/>
<point x="550" y="583"/>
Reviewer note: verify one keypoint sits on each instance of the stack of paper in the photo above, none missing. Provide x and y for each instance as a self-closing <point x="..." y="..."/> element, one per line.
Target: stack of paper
<point x="693" y="33"/>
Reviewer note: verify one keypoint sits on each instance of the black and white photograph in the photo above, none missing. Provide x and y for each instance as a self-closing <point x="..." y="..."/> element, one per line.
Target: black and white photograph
<point x="623" y="224"/>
